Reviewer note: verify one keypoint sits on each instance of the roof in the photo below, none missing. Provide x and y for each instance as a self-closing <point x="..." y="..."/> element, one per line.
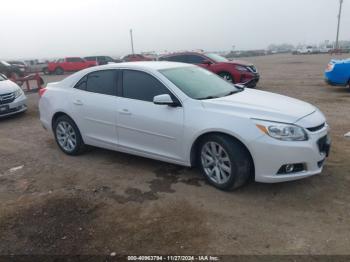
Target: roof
<point x="153" y="65"/>
<point x="184" y="53"/>
<point x="144" y="66"/>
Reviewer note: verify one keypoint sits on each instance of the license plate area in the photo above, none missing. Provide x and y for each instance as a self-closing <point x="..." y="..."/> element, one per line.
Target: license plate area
<point x="4" y="109"/>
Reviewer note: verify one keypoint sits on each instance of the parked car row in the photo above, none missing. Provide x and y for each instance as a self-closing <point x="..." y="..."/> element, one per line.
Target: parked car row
<point x="233" y="71"/>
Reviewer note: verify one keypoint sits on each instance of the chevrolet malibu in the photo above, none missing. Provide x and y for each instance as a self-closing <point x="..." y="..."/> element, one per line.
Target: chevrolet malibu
<point x="186" y="115"/>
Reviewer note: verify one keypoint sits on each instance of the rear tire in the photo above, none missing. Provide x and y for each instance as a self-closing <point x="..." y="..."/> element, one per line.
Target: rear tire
<point x="46" y="71"/>
<point x="68" y="136"/>
<point x="225" y="163"/>
<point x="59" y="71"/>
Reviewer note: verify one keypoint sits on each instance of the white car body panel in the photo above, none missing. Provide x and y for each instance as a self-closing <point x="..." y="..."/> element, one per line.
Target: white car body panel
<point x="16" y="106"/>
<point x="168" y="133"/>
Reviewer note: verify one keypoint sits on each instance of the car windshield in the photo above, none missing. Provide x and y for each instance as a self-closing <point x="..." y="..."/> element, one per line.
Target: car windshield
<point x="2" y="78"/>
<point x="199" y="83"/>
<point x="5" y="63"/>
<point x="216" y="58"/>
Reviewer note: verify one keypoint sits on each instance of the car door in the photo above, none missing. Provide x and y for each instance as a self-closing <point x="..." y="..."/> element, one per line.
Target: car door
<point x="95" y="107"/>
<point x="69" y="64"/>
<point x="144" y="127"/>
<point x="79" y="64"/>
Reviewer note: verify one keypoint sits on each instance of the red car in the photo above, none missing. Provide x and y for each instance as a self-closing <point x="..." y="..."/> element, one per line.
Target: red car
<point x="135" y="58"/>
<point x="68" y="64"/>
<point x="234" y="71"/>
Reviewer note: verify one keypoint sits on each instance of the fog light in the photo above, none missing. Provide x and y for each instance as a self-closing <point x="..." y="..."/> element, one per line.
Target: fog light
<point x="289" y="168"/>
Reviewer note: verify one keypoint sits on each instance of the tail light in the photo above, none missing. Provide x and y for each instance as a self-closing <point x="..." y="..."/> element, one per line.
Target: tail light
<point x="42" y="91"/>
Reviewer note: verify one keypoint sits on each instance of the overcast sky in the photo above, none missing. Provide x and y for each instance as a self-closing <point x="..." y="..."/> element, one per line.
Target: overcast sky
<point x="47" y="28"/>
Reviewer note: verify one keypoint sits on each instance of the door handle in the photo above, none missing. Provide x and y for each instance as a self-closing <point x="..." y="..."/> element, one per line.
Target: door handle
<point x="78" y="102"/>
<point x="124" y="112"/>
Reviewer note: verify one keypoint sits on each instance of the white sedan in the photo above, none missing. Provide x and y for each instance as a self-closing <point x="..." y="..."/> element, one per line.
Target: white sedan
<point x="186" y="115"/>
<point x="12" y="98"/>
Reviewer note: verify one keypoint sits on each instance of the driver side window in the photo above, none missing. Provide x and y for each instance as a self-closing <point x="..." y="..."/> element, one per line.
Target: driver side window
<point x="142" y="86"/>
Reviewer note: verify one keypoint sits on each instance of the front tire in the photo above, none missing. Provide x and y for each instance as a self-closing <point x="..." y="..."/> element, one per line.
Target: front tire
<point x="68" y="136"/>
<point x="227" y="76"/>
<point x="224" y="162"/>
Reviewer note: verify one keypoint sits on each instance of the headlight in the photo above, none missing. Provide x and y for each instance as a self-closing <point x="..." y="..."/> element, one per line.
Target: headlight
<point x="330" y="67"/>
<point x="281" y="131"/>
<point x="18" y="93"/>
<point x="242" y="68"/>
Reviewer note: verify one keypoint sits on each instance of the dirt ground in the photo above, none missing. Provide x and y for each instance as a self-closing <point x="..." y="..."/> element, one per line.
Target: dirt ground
<point x="104" y="201"/>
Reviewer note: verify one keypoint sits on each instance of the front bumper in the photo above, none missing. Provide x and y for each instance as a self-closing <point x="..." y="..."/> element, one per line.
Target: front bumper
<point x="270" y="155"/>
<point x="19" y="105"/>
<point x="329" y="82"/>
<point x="252" y="82"/>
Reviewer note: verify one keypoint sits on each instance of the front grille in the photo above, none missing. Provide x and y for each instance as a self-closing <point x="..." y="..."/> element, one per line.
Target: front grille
<point x="316" y="128"/>
<point x="7" y="98"/>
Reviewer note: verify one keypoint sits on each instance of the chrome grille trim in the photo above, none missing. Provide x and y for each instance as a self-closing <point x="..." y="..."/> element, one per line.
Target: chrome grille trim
<point x="7" y="98"/>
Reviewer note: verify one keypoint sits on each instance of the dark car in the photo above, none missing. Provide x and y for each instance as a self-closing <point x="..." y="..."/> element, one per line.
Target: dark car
<point x="233" y="71"/>
<point x="20" y="64"/>
<point x="102" y="60"/>
<point x="10" y="70"/>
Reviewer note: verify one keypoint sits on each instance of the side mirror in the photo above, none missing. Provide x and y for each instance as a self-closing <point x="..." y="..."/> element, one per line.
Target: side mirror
<point x="207" y="62"/>
<point x="165" y="100"/>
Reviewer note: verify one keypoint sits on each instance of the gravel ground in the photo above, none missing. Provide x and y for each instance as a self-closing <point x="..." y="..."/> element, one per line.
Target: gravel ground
<point x="104" y="201"/>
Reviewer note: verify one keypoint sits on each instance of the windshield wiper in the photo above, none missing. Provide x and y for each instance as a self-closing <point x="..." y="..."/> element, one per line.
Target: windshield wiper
<point x="234" y="92"/>
<point x="208" y="97"/>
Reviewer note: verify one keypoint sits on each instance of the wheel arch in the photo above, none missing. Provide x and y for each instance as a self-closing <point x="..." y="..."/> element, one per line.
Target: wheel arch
<point x="199" y="139"/>
<point x="227" y="72"/>
<point x="57" y="115"/>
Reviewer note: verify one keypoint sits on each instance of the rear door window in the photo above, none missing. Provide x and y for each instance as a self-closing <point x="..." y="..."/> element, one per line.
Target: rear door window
<point x="101" y="82"/>
<point x="195" y="59"/>
<point x="177" y="58"/>
<point x="74" y="59"/>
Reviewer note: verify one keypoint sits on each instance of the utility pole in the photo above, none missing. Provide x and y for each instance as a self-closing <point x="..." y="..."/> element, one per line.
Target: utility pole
<point x="339" y="17"/>
<point x="132" y="42"/>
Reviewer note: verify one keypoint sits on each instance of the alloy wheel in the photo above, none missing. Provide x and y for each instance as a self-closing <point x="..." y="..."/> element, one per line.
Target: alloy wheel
<point x="216" y="163"/>
<point x="66" y="136"/>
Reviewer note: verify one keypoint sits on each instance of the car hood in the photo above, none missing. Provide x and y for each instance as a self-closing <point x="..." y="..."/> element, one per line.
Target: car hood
<point x="7" y="86"/>
<point x="239" y="62"/>
<point x="341" y="61"/>
<point x="262" y="105"/>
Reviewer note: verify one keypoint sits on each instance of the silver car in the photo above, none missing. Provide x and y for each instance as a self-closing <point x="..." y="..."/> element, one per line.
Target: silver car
<point x="12" y="98"/>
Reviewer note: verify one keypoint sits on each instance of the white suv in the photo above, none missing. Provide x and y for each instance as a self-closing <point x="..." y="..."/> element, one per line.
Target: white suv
<point x="186" y="115"/>
<point x="12" y="98"/>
